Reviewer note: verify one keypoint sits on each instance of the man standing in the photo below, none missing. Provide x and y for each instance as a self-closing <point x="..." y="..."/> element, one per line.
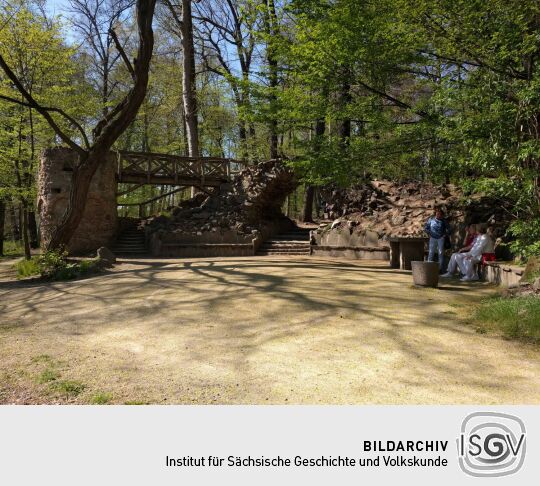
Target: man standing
<point x="437" y="228"/>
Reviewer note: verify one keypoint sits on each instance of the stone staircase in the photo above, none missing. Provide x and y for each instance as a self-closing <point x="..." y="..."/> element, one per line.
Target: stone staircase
<point x="294" y="242"/>
<point x="131" y="241"/>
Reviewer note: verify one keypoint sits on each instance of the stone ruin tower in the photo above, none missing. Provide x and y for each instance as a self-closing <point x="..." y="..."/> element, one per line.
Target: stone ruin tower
<point x="99" y="224"/>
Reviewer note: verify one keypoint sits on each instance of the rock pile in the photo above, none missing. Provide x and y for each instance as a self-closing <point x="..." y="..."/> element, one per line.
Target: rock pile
<point x="254" y="196"/>
<point x="393" y="209"/>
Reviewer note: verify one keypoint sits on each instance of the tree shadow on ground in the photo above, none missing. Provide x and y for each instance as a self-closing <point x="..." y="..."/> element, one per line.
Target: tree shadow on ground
<point x="228" y="310"/>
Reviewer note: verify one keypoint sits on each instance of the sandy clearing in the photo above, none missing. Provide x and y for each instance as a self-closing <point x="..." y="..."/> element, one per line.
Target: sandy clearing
<point x="257" y="330"/>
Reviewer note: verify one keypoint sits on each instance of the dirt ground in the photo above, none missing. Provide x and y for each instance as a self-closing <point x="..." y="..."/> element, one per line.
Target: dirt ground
<point x="264" y="330"/>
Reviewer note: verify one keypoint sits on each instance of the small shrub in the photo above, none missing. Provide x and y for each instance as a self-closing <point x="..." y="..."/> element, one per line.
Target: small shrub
<point x="101" y="399"/>
<point x="53" y="265"/>
<point x="514" y="317"/>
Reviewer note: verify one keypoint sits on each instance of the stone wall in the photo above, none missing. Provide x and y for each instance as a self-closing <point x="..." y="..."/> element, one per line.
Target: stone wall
<point x="502" y="274"/>
<point x="100" y="220"/>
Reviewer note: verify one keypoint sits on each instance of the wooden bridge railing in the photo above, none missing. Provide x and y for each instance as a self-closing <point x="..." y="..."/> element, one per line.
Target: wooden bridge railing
<point x="152" y="168"/>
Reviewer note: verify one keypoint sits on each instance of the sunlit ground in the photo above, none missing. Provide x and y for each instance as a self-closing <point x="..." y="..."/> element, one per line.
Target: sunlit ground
<point x="255" y="330"/>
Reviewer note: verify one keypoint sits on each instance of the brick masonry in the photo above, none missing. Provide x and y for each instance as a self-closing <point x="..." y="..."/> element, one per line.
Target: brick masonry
<point x="100" y="219"/>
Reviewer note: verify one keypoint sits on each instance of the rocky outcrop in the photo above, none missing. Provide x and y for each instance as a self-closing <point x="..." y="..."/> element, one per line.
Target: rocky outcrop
<point x="368" y="214"/>
<point x="237" y="213"/>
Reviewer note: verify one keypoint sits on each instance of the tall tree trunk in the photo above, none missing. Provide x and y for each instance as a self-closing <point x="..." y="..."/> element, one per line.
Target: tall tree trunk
<point x="307" y="215"/>
<point x="15" y="229"/>
<point x="307" y="210"/>
<point x="189" y="92"/>
<point x="33" y="229"/>
<point x="344" y="125"/>
<point x="271" y="58"/>
<point x="2" y="226"/>
<point x="24" y="225"/>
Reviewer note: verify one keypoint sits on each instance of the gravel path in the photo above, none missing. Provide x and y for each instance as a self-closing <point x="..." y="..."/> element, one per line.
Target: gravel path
<point x="255" y="330"/>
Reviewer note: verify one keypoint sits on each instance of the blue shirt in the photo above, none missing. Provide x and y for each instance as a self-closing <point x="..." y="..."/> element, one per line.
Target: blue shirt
<point x="436" y="228"/>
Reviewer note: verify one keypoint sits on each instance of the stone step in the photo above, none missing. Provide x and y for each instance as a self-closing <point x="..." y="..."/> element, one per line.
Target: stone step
<point x="286" y="243"/>
<point x="291" y="238"/>
<point x="274" y="253"/>
<point x="283" y="250"/>
<point x="131" y="238"/>
<point x="120" y="245"/>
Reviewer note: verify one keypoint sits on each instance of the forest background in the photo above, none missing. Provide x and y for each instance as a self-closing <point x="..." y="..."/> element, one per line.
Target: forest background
<point x="344" y="90"/>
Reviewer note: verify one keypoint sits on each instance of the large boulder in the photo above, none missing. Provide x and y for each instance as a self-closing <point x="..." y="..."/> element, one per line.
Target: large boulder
<point x="106" y="255"/>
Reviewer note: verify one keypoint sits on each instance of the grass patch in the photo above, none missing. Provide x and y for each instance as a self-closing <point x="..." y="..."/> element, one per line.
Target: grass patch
<point x="12" y="249"/>
<point x="48" y="376"/>
<point x="67" y="387"/>
<point x="135" y="402"/>
<point x="28" y="268"/>
<point x="101" y="399"/>
<point x="514" y="317"/>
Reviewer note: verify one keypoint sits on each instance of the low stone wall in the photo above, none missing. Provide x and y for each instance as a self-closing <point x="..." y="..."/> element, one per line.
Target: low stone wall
<point x="501" y="274"/>
<point x="351" y="252"/>
<point x="214" y="244"/>
<point x="204" y="250"/>
<point x="346" y="237"/>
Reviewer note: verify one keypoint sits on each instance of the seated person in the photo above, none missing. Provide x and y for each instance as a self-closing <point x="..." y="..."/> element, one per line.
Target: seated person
<point x="456" y="257"/>
<point x="470" y="235"/>
<point x="489" y="251"/>
<point x="474" y="256"/>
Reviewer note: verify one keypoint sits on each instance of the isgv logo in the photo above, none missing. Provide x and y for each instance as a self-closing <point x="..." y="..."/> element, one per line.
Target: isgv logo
<point x="491" y="444"/>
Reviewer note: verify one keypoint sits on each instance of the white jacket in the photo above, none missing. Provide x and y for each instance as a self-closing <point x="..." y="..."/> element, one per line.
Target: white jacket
<point x="482" y="244"/>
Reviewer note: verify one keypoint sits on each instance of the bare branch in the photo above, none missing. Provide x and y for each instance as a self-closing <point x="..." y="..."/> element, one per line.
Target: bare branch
<point x="122" y="53"/>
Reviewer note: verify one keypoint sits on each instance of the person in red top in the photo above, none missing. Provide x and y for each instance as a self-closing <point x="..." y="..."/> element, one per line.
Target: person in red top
<point x="470" y="235"/>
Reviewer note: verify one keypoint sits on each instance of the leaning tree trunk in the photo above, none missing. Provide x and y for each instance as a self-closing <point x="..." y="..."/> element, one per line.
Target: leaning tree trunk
<point x="108" y="130"/>
<point x="83" y="171"/>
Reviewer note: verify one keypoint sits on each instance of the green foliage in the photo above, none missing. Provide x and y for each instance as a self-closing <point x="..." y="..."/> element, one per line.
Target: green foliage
<point x="516" y="317"/>
<point x="28" y="268"/>
<point x="12" y="249"/>
<point x="101" y="399"/>
<point x="54" y="265"/>
<point x="527" y="238"/>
